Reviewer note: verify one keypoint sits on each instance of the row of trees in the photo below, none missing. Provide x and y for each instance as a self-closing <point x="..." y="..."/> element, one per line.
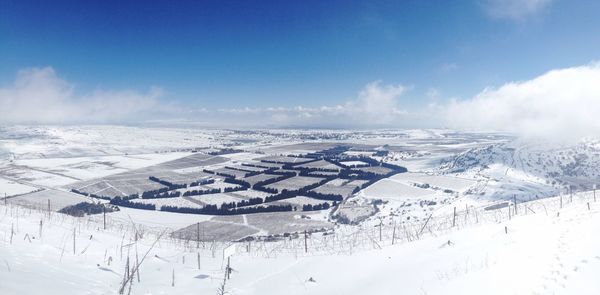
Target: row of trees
<point x="309" y="207"/>
<point x="322" y="196"/>
<point x="169" y="194"/>
<point x="202" y="182"/>
<point x="171" y="186"/>
<point x="198" y="192"/>
<point x="118" y="201"/>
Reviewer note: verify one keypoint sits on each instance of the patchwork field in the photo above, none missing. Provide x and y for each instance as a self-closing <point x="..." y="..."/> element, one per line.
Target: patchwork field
<point x="10" y="188"/>
<point x="294" y="183"/>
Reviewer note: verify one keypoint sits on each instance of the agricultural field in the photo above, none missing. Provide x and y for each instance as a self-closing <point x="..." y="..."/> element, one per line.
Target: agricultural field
<point x="258" y="178"/>
<point x="57" y="199"/>
<point x="395" y="190"/>
<point x="343" y="187"/>
<point x="214" y="199"/>
<point x="178" y="202"/>
<point x="438" y="181"/>
<point x="287" y="179"/>
<point x="285" y="160"/>
<point x="11" y="188"/>
<point x="321" y="165"/>
<point x="294" y="183"/>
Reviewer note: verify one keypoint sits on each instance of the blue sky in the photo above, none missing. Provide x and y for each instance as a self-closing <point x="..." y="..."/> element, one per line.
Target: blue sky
<point x="260" y="54"/>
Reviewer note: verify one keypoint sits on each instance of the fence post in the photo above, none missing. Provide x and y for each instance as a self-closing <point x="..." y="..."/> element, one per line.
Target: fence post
<point x="394" y="233"/>
<point x="561" y="201"/>
<point x="570" y="194"/>
<point x="305" y="243"/>
<point x="104" y="216"/>
<point x="380" y="226"/>
<point x="73" y="240"/>
<point x="198" y="260"/>
<point x="454" y="218"/>
<point x="197" y="235"/>
<point x="515" y="201"/>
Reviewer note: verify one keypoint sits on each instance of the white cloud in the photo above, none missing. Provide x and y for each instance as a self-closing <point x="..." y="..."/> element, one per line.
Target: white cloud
<point x="375" y="105"/>
<point x="561" y="104"/>
<point x="513" y="9"/>
<point x="38" y="95"/>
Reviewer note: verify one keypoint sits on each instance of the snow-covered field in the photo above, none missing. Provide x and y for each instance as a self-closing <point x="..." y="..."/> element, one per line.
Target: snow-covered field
<point x="403" y="242"/>
<point x="10" y="188"/>
<point x="395" y="190"/>
<point x="98" y="166"/>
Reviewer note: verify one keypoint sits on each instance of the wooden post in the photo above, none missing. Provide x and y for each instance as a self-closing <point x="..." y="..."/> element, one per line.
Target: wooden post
<point x="515" y="201"/>
<point x="561" y="201"/>
<point x="454" y="218"/>
<point x="197" y="235"/>
<point x="73" y="240"/>
<point x="48" y="206"/>
<point x="588" y="206"/>
<point x="594" y="193"/>
<point x="394" y="233"/>
<point x="104" y="216"/>
<point x="173" y="278"/>
<point x="198" y="260"/>
<point x="570" y="194"/>
<point x="380" y="226"/>
<point x="228" y="267"/>
<point x="505" y="229"/>
<point x="305" y="243"/>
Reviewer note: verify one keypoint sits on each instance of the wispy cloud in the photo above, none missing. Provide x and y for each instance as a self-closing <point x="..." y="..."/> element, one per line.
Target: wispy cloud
<point x="515" y="10"/>
<point x="562" y="104"/>
<point x="375" y="105"/>
<point x="38" y="95"/>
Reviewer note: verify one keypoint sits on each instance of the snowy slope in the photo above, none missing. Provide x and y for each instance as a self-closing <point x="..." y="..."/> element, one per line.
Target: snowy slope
<point x="551" y="251"/>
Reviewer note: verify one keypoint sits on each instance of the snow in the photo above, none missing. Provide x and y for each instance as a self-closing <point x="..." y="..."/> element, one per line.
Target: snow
<point x="537" y="254"/>
<point x="442" y="181"/>
<point x="392" y="189"/>
<point x="216" y="199"/>
<point x="10" y="188"/>
<point x="85" y="168"/>
<point x="542" y="251"/>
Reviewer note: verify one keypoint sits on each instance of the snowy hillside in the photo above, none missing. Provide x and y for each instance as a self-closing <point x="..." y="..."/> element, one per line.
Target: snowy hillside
<point x="528" y="169"/>
<point x="540" y="249"/>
